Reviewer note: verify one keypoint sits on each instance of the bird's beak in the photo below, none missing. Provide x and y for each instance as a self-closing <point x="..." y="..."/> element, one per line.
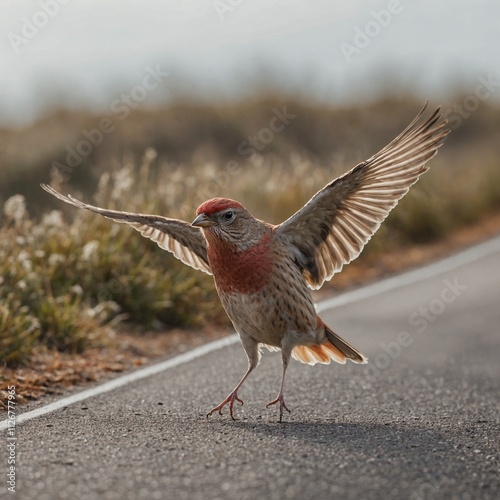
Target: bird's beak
<point x="203" y="221"/>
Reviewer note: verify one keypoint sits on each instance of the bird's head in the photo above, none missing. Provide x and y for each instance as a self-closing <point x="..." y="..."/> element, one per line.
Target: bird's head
<point x="225" y="219"/>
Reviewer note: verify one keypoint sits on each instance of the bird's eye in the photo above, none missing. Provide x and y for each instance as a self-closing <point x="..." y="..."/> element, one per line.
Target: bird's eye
<point x="229" y="215"/>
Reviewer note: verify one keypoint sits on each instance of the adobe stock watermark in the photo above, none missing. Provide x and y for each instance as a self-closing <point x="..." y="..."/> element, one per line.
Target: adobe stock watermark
<point x="31" y="26"/>
<point x="11" y="439"/>
<point x="251" y="145"/>
<point x="460" y="111"/>
<point x="213" y="188"/>
<point x="120" y="110"/>
<point x="420" y="321"/>
<point x="223" y="7"/>
<point x="363" y="35"/>
<point x="256" y="143"/>
<point x="426" y="489"/>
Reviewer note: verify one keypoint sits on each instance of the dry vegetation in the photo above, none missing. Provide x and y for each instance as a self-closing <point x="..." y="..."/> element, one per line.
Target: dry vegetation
<point x="69" y="279"/>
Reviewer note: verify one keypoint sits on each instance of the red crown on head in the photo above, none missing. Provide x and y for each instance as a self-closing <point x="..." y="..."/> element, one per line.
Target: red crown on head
<point x="216" y="205"/>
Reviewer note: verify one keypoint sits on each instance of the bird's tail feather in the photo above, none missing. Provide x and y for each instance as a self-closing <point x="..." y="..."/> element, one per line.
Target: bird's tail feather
<point x="334" y="348"/>
<point x="346" y="349"/>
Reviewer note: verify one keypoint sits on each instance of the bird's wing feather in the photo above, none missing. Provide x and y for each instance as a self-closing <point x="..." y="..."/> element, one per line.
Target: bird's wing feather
<point x="337" y="222"/>
<point x="184" y="241"/>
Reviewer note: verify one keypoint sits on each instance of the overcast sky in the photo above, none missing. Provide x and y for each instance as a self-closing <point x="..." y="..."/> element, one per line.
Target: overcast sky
<point x="86" y="52"/>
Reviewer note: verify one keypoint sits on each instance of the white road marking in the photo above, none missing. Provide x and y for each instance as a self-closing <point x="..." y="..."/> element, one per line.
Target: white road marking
<point x="443" y="266"/>
<point x="124" y="380"/>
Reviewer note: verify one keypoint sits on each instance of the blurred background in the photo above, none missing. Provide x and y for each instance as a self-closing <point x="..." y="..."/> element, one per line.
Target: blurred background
<point x="155" y="106"/>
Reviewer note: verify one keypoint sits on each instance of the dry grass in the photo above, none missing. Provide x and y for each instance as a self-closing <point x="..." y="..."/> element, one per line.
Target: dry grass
<point x="69" y="279"/>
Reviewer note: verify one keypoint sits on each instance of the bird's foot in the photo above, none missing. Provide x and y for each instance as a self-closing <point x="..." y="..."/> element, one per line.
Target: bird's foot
<point x="233" y="396"/>
<point x="281" y="401"/>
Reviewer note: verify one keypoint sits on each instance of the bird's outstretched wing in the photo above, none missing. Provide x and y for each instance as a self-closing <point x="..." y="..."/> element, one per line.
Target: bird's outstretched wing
<point x="337" y="222"/>
<point x="186" y="242"/>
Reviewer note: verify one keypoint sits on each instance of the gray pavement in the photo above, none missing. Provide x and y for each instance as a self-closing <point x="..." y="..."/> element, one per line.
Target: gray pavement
<point x="420" y="421"/>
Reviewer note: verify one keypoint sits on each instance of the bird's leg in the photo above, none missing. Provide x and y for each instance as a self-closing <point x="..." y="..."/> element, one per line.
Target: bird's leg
<point x="252" y="351"/>
<point x="286" y="353"/>
<point x="232" y="397"/>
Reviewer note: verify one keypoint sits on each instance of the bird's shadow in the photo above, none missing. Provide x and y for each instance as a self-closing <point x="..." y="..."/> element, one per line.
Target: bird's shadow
<point x="370" y="435"/>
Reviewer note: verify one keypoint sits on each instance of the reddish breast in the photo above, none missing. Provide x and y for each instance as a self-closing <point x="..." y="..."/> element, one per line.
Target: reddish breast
<point x="245" y="271"/>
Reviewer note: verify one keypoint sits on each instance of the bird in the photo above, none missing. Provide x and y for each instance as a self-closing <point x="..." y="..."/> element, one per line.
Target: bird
<point x="264" y="273"/>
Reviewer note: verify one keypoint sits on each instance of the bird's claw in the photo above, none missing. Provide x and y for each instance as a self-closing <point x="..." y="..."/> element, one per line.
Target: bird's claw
<point x="281" y="401"/>
<point x="230" y="399"/>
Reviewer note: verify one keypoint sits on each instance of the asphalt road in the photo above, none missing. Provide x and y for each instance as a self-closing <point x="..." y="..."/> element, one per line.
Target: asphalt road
<point x="420" y="421"/>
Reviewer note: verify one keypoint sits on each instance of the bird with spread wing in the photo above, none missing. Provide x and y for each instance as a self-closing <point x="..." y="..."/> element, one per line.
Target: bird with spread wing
<point x="263" y="273"/>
